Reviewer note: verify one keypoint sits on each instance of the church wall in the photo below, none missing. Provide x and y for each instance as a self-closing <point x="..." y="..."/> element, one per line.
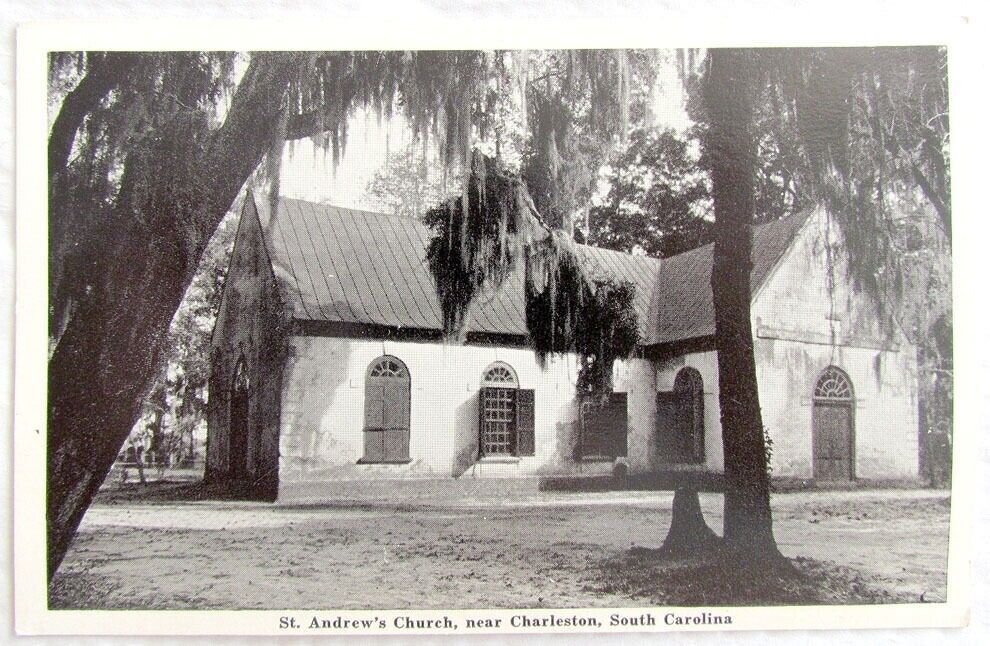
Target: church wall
<point x="884" y="415"/>
<point x="809" y="316"/>
<point x="322" y="416"/>
<point x="639" y="381"/>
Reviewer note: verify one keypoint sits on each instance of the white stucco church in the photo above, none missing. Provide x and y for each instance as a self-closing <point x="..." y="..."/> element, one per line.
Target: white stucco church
<point x="329" y="368"/>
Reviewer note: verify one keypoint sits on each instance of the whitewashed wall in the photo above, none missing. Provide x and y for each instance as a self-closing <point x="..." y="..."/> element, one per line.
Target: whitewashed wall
<point x="323" y="410"/>
<point x="806" y="318"/>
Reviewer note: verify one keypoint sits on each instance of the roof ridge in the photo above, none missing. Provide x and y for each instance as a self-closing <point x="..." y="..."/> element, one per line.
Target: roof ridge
<point x="417" y="221"/>
<point x="328" y="205"/>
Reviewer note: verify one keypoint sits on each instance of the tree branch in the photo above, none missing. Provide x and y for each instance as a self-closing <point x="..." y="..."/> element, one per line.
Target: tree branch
<point x="104" y="74"/>
<point x="891" y="143"/>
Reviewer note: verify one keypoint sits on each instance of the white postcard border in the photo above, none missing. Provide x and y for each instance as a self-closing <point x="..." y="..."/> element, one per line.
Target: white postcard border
<point x="966" y="55"/>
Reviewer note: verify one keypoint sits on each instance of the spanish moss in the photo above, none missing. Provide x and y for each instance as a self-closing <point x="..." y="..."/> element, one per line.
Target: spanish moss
<point x="570" y="308"/>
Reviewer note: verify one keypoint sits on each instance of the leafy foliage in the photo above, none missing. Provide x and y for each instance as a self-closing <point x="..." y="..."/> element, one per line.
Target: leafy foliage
<point x="608" y="331"/>
<point x="658" y="202"/>
<point x="579" y="107"/>
<point x="96" y="148"/>
<point x="477" y="238"/>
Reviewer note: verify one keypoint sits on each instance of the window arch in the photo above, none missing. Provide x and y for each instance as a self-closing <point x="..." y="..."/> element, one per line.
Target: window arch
<point x="690" y="384"/>
<point x="500" y="375"/>
<point x="834" y="385"/>
<point x="386" y="411"/>
<point x="387" y="366"/>
<point x="506" y="414"/>
<point x="241" y="380"/>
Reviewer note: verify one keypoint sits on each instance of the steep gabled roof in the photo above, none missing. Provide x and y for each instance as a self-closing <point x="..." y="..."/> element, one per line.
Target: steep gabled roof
<point x="683" y="293"/>
<point x="350" y="266"/>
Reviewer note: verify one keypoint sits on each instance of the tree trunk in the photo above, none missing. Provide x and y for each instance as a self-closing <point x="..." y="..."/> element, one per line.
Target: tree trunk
<point x="728" y="95"/>
<point x="689" y="534"/>
<point x="104" y="74"/>
<point x="139" y="461"/>
<point x="105" y="361"/>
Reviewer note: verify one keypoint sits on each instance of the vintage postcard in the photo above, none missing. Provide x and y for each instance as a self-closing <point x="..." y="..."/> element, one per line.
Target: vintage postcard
<point x="596" y="329"/>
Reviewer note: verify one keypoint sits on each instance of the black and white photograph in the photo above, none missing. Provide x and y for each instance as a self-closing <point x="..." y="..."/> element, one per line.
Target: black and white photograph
<point x="453" y="340"/>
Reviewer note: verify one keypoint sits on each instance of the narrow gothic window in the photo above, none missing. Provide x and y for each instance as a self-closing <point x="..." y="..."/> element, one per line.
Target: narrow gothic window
<point x="237" y="439"/>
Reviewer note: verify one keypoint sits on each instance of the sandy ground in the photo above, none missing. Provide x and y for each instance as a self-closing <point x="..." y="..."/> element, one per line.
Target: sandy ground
<point x="551" y="550"/>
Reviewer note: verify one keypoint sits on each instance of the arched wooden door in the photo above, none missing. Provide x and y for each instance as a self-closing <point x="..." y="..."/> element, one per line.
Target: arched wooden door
<point x="833" y="427"/>
<point x="386" y="411"/>
<point x="239" y="421"/>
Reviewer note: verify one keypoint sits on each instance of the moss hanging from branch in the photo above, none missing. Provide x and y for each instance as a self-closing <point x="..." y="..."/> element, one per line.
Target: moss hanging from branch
<point x="477" y="240"/>
<point x="569" y="306"/>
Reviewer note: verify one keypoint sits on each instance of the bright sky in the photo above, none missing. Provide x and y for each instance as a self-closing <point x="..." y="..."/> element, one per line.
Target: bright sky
<point x="308" y="173"/>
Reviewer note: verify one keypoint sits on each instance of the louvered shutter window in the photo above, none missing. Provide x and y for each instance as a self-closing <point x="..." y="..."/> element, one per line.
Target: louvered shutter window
<point x="386" y="411"/>
<point x="525" y="422"/>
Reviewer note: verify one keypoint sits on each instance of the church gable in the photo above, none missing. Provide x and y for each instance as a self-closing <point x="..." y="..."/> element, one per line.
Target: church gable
<point x="246" y="364"/>
<point x="249" y="274"/>
<point x="682" y="308"/>
<point x="810" y="296"/>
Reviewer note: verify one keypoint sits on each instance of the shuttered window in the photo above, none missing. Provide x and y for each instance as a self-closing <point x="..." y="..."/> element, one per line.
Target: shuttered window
<point x="690" y="382"/>
<point x="674" y="424"/>
<point x="525" y="422"/>
<point x="604" y="427"/>
<point x="506" y="414"/>
<point x="386" y="411"/>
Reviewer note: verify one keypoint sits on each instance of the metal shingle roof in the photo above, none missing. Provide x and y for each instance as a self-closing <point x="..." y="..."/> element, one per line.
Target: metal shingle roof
<point x="352" y="266"/>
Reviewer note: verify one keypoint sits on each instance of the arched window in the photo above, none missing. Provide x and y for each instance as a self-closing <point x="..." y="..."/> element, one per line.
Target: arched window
<point x="500" y="375"/>
<point x="386" y="411"/>
<point x="833" y="385"/>
<point x="239" y="419"/>
<point x="833" y="426"/>
<point x="692" y="441"/>
<point x="506" y="414"/>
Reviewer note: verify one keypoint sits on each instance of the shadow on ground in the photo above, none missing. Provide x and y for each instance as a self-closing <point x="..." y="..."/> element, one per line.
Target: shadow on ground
<point x="707" y="581"/>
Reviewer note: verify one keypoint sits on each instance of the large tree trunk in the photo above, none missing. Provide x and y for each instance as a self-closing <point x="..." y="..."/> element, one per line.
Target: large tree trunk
<point x="689" y="534"/>
<point x="105" y="361"/>
<point x="728" y="95"/>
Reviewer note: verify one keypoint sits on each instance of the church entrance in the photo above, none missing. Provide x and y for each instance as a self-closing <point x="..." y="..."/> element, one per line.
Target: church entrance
<point x="832" y="427"/>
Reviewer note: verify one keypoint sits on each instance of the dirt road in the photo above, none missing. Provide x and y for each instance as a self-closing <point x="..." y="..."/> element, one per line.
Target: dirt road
<point x="551" y="550"/>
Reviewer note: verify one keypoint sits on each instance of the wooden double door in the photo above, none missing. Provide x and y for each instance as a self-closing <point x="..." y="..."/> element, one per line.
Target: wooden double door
<point x="833" y="441"/>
